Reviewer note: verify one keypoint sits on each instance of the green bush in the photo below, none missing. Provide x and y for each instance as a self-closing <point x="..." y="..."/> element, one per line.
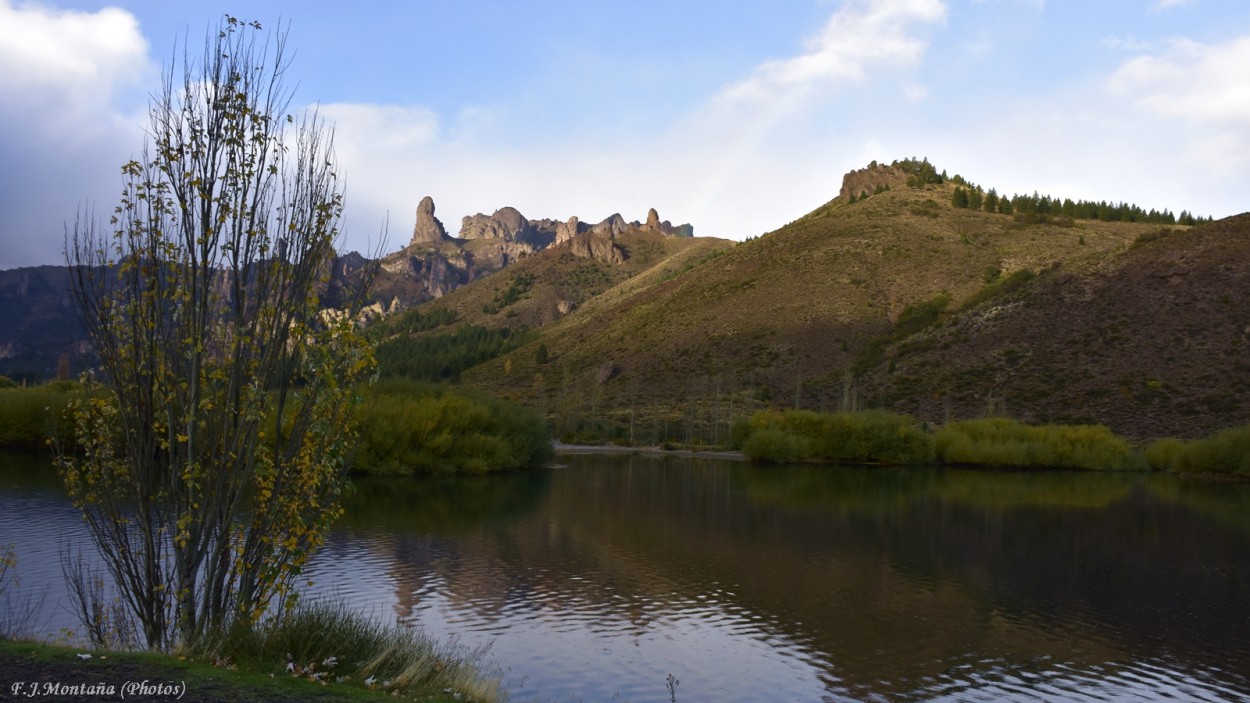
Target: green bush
<point x="29" y="417"/>
<point x="408" y="428"/>
<point x="872" y="436"/>
<point x="775" y="446"/>
<point x="1002" y="442"/>
<point x="1225" y="452"/>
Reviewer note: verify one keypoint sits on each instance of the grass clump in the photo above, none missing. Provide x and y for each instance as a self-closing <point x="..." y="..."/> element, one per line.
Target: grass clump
<point x="999" y="286"/>
<point x="869" y="437"/>
<point x="328" y="643"/>
<point x="412" y="428"/>
<point x="1225" y="452"/>
<point x="1002" y="442"/>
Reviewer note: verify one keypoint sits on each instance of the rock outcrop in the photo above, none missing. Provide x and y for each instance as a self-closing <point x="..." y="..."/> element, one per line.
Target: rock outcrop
<point x="507" y="223"/>
<point x="666" y="228"/>
<point x="867" y="181"/>
<point x="612" y="226"/>
<point x="428" y="229"/>
<point x="567" y="230"/>
<point x="653" y="220"/>
<point x="598" y="246"/>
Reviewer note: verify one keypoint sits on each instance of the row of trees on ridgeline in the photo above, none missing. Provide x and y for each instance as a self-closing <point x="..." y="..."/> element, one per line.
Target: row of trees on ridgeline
<point x="973" y="197"/>
<point x="1024" y="206"/>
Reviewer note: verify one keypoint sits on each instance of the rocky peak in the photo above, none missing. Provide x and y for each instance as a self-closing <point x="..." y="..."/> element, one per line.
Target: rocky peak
<point x="567" y="230"/>
<point x="506" y="223"/>
<point x="866" y="181"/>
<point x="612" y="226"/>
<point x="428" y="229"/>
<point x="653" y="220"/>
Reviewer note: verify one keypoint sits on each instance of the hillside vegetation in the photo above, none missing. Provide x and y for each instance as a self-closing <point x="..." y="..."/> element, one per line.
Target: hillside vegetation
<point x="889" y="297"/>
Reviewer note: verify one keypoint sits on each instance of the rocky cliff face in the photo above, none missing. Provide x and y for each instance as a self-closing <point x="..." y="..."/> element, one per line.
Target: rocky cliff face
<point x="567" y="230"/>
<point x="596" y="245"/>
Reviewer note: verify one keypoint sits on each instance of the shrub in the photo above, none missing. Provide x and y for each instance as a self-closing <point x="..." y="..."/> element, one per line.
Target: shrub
<point x="776" y="446"/>
<point x="863" y="437"/>
<point x="29" y="417"/>
<point x="408" y="428"/>
<point x="1003" y="442"/>
<point x="1225" y="452"/>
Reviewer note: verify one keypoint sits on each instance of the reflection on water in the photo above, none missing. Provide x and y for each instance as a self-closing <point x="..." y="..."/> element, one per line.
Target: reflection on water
<point x="600" y="578"/>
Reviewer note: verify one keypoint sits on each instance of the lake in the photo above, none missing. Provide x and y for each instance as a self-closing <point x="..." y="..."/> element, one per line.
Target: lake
<point x="597" y="579"/>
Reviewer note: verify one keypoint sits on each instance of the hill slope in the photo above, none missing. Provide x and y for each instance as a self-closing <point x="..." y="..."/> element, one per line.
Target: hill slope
<point x="835" y="309"/>
<point x="1151" y="342"/>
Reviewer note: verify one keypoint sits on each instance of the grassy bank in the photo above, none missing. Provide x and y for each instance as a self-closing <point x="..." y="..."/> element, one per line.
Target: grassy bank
<point x="319" y="652"/>
<point x="32" y="663"/>
<point x="328" y="642"/>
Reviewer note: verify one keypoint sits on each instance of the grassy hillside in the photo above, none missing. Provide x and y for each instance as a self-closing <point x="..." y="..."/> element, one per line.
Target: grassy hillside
<point x="897" y="300"/>
<point x="1153" y="341"/>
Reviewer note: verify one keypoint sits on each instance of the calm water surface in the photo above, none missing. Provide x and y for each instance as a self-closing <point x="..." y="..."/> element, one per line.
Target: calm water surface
<point x="596" y="580"/>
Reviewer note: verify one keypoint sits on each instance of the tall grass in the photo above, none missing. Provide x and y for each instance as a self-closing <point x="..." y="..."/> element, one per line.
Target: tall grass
<point x="1225" y="452"/>
<point x="872" y="436"/>
<point x="328" y="642"/>
<point x="1002" y="442"/>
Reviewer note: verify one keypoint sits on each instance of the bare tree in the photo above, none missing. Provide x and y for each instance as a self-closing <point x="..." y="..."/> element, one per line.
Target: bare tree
<point x="210" y="458"/>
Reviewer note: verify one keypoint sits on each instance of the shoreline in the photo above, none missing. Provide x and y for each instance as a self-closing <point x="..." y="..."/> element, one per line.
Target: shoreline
<point x="729" y="454"/>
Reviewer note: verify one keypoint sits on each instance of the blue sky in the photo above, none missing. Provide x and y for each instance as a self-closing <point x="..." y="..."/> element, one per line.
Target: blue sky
<point x="735" y="117"/>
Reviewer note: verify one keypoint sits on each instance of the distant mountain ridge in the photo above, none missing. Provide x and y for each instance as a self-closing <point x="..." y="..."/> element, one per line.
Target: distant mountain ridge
<point x="41" y="337"/>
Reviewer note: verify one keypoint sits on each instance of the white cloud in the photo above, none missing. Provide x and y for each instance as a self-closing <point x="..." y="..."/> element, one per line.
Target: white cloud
<point x="64" y="126"/>
<point x="1202" y="84"/>
<point x="858" y="37"/>
<point x="74" y="61"/>
<point x="1161" y="5"/>
<point x="1201" y="94"/>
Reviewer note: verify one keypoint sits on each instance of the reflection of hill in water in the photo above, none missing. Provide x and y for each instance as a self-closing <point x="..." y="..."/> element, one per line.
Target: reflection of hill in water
<point x="888" y="577"/>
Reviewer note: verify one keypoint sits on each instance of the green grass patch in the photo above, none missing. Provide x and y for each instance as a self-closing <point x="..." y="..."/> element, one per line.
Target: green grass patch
<point x="1002" y="442"/>
<point x="999" y="286"/>
<point x="205" y="679"/>
<point x="329" y="642"/>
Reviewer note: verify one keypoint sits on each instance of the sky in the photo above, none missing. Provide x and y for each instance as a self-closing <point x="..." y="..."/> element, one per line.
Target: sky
<point x="737" y="117"/>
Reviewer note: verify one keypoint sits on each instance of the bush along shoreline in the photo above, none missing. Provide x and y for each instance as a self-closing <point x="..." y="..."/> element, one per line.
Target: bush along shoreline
<point x="406" y="427"/>
<point x="879" y="437"/>
<point x="411" y="428"/>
